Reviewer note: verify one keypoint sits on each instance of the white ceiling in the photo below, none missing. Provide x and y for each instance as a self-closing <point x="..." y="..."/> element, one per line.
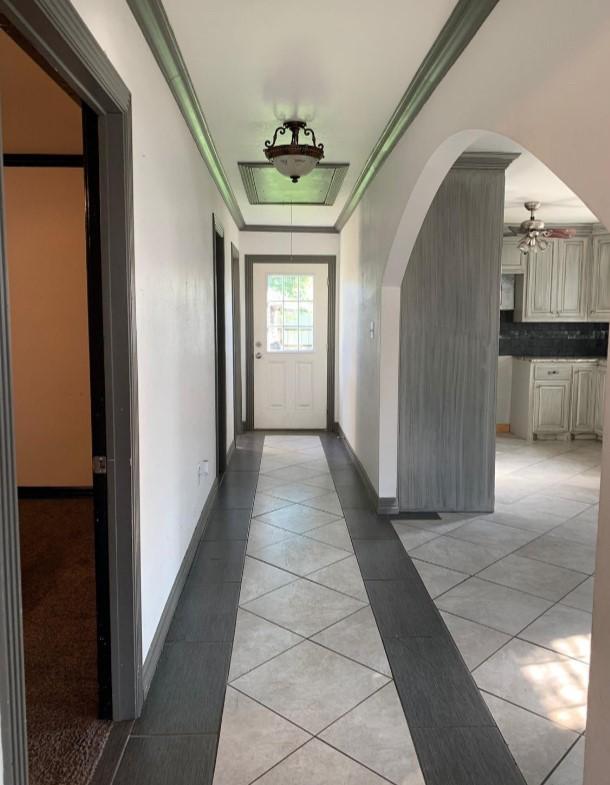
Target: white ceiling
<point x="341" y="65"/>
<point x="528" y="179"/>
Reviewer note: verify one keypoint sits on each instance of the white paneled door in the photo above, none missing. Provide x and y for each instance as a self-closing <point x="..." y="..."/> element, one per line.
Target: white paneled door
<point x="290" y="309"/>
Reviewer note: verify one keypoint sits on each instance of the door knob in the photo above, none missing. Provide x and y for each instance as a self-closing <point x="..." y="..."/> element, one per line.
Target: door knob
<point x="258" y="355"/>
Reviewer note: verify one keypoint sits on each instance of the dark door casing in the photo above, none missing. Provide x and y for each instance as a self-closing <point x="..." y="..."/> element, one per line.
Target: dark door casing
<point x="221" y="359"/>
<point x="98" y="407"/>
<point x="236" y="292"/>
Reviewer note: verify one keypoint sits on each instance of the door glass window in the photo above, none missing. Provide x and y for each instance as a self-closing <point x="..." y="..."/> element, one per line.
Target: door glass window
<point x="289" y="313"/>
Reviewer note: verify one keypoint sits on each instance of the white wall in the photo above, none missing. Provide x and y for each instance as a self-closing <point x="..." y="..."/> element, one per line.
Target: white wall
<point x="283" y="244"/>
<point x="359" y="350"/>
<point x="174" y="198"/>
<point x="543" y="92"/>
<point x="503" y="390"/>
<point x="569" y="137"/>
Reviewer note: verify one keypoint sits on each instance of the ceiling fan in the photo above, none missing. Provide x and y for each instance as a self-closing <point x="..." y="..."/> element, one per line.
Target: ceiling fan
<point x="535" y="234"/>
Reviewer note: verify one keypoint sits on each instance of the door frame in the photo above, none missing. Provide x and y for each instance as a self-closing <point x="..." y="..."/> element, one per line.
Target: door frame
<point x="57" y="37"/>
<point x="238" y="424"/>
<point x="220" y="347"/>
<point x="331" y="261"/>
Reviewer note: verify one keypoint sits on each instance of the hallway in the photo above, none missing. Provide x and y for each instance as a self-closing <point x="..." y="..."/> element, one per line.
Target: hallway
<point x="313" y="284"/>
<point x="310" y="696"/>
<point x="315" y="586"/>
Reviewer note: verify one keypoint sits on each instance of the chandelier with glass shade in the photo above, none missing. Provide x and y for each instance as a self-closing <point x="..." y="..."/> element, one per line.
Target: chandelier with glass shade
<point x="296" y="158"/>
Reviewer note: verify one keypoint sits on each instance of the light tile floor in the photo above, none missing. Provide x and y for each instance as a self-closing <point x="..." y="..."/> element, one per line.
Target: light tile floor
<point x="310" y="699"/>
<point x="515" y="590"/>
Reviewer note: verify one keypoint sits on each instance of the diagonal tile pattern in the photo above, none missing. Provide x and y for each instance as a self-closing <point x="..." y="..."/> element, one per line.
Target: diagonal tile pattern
<point x="515" y="588"/>
<point x="310" y="697"/>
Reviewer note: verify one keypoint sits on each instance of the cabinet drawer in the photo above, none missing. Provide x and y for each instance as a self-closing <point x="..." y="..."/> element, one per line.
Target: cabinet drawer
<point x="553" y="371"/>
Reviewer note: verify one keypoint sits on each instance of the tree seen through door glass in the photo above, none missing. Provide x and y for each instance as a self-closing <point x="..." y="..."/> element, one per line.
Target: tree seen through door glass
<point x="290" y="313"/>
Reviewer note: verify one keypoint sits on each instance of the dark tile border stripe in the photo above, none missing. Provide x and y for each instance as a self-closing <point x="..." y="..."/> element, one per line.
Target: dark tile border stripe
<point x="176" y="737"/>
<point x="456" y="739"/>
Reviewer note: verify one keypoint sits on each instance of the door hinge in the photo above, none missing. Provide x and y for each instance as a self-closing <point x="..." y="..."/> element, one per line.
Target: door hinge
<point x="99" y="464"/>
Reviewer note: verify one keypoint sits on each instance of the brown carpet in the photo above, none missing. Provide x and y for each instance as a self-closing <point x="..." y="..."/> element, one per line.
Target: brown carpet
<point x="65" y="738"/>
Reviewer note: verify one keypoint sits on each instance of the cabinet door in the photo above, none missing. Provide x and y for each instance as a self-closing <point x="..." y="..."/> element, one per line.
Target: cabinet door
<point x="600" y="385"/>
<point x="539" y="286"/>
<point x="571" y="279"/>
<point x="551" y="407"/>
<point x="584" y="393"/>
<point x="513" y="261"/>
<point x="600" y="279"/>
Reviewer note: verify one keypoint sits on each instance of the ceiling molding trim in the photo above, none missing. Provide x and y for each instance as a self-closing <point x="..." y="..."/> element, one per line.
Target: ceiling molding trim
<point x="290" y="229"/>
<point x="491" y="161"/>
<point x="154" y="23"/>
<point x="463" y="23"/>
<point x="319" y="193"/>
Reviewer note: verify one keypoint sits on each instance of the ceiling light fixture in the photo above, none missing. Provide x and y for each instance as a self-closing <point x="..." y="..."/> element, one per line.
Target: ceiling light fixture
<point x="535" y="234"/>
<point x="296" y="159"/>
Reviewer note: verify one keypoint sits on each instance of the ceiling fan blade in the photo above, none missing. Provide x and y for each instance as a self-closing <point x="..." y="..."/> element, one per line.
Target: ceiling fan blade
<point x="514" y="230"/>
<point x="561" y="234"/>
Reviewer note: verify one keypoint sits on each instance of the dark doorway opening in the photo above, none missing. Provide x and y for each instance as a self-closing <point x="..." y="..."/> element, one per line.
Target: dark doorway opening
<point x="51" y="206"/>
<point x="221" y="355"/>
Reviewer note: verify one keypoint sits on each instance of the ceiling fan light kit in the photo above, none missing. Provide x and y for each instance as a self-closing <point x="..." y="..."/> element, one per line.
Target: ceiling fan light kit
<point x="297" y="158"/>
<point x="535" y="234"/>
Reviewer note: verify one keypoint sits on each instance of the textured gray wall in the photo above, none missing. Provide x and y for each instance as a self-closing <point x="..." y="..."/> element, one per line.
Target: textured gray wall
<point x="449" y="346"/>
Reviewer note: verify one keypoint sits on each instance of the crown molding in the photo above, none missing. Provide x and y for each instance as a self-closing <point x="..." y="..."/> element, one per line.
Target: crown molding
<point x="290" y="229"/>
<point x="154" y="23"/>
<point x="490" y="161"/>
<point x="464" y="21"/>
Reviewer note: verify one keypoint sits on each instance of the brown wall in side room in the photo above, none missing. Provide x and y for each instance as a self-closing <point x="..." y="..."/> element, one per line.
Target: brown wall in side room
<point x="45" y="231"/>
<point x="37" y="115"/>
<point x="45" y="239"/>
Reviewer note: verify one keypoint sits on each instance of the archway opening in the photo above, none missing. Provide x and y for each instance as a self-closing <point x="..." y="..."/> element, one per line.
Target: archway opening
<point x="513" y="577"/>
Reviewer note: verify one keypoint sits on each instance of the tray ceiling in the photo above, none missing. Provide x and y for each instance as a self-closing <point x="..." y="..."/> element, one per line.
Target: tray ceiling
<point x="340" y="66"/>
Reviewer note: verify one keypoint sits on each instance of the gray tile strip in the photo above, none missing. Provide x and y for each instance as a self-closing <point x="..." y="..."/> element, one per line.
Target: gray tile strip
<point x="176" y="738"/>
<point x="455" y="736"/>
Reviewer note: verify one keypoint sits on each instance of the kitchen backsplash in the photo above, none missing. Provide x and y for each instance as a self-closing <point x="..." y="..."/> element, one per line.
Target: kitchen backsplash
<point x="552" y="339"/>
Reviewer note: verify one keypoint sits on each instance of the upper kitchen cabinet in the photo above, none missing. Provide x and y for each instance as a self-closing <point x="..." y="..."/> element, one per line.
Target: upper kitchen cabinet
<point x="538" y="300"/>
<point x="571" y="267"/>
<point x="599" y="310"/>
<point x="513" y="261"/>
<point x="568" y="282"/>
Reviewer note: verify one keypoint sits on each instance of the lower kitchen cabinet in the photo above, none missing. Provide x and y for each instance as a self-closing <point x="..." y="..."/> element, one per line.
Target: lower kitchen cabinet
<point x="582" y="419"/>
<point x="557" y="399"/>
<point x="551" y="413"/>
<point x="599" y="387"/>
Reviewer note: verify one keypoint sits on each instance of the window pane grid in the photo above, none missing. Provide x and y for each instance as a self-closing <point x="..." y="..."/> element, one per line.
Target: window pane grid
<point x="290" y="313"/>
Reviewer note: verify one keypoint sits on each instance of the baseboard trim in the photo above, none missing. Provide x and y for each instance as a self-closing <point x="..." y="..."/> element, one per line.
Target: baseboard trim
<point x="383" y="505"/>
<point x="154" y="653"/>
<point x="388" y="505"/>
<point x="112" y="753"/>
<point x="502" y="427"/>
<point x="53" y="492"/>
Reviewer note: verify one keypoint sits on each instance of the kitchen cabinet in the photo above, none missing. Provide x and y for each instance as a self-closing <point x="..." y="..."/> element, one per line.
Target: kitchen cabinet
<point x="599" y="385"/>
<point x="599" y="310"/>
<point x="571" y="279"/>
<point x="539" y="299"/>
<point x="582" y="419"/>
<point x="555" y="284"/>
<point x="557" y="399"/>
<point x="551" y="410"/>
<point x="513" y="261"/>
